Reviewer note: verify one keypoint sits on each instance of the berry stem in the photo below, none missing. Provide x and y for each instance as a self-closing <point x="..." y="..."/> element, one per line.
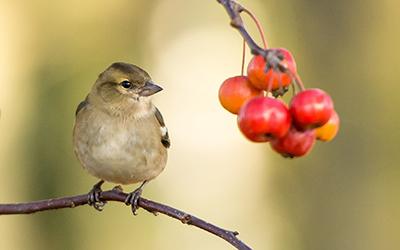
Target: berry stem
<point x="233" y="9"/>
<point x="243" y="56"/>
<point x="269" y="86"/>
<point x="297" y="79"/>
<point x="258" y="24"/>
<point x="293" y="90"/>
<point x="260" y="30"/>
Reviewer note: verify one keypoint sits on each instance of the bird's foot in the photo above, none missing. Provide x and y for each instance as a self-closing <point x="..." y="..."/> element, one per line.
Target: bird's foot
<point x="133" y="198"/>
<point x="94" y="197"/>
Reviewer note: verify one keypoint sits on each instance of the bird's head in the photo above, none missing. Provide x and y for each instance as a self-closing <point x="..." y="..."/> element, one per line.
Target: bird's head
<point x="123" y="84"/>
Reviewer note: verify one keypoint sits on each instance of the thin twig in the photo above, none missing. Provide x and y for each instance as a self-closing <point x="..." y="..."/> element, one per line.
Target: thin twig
<point x="234" y="9"/>
<point x="119" y="196"/>
<point x="258" y="25"/>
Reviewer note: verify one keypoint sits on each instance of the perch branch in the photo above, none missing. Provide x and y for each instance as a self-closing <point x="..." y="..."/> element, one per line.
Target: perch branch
<point x="119" y="196"/>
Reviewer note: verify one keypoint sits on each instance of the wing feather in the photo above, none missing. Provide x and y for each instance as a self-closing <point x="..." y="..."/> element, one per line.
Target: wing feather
<point x="164" y="137"/>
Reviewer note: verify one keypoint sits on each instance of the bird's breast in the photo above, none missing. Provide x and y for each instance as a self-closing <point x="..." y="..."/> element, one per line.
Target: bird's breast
<point x="121" y="151"/>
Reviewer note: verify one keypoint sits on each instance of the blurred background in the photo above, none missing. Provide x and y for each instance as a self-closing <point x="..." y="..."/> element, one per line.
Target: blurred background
<point x="344" y="195"/>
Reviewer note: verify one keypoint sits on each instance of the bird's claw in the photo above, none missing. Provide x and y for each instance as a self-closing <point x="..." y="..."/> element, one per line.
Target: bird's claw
<point x="94" y="197"/>
<point x="133" y="200"/>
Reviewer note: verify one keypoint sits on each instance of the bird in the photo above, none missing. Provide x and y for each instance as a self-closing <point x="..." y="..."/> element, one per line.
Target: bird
<point x="119" y="136"/>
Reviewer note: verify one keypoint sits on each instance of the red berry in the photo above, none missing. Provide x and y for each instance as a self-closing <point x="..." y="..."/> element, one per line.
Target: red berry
<point x="264" y="118"/>
<point x="235" y="91"/>
<point x="295" y="143"/>
<point x="311" y="108"/>
<point x="330" y="129"/>
<point x="274" y="77"/>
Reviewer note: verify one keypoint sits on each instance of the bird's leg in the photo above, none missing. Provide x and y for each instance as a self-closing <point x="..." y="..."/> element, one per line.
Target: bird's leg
<point x="94" y="197"/>
<point x="133" y="198"/>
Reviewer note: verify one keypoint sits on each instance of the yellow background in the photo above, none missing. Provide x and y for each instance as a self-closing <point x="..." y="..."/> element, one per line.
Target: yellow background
<point x="344" y="195"/>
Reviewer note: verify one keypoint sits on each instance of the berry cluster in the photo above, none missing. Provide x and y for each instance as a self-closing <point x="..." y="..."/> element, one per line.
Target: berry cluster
<point x="262" y="117"/>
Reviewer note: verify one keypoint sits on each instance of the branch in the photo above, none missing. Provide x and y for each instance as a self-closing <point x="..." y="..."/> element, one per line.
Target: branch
<point x="271" y="56"/>
<point x="119" y="196"/>
<point x="234" y="9"/>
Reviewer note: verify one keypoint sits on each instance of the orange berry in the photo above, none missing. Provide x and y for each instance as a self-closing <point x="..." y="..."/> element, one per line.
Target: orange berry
<point x="235" y="91"/>
<point x="328" y="131"/>
<point x="261" y="79"/>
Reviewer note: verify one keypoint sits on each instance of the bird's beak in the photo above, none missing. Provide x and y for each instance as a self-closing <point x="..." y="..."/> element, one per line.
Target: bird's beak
<point x="149" y="89"/>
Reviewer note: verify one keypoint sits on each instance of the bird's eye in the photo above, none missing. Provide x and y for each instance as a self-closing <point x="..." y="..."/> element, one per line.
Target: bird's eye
<point x="126" y="84"/>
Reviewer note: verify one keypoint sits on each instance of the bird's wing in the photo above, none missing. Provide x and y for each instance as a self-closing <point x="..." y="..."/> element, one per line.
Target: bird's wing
<point x="81" y="105"/>
<point x="164" y="137"/>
